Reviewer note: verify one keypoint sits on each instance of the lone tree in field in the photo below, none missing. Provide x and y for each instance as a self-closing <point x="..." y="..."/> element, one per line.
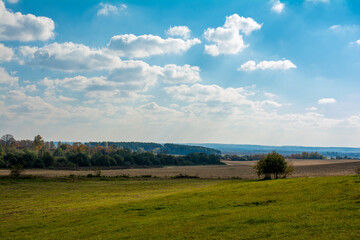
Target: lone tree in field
<point x="273" y="165"/>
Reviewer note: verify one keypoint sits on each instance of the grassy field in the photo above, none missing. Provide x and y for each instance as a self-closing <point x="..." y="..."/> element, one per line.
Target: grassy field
<point x="115" y="208"/>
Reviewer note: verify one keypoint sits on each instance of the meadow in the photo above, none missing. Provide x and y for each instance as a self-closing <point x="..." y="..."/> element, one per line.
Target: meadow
<point x="152" y="208"/>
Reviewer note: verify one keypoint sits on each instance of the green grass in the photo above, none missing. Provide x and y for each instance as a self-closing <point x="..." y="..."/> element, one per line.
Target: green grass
<point x="302" y="208"/>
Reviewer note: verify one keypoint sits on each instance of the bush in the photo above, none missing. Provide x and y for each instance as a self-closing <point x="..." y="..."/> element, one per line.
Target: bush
<point x="273" y="165"/>
<point x="16" y="170"/>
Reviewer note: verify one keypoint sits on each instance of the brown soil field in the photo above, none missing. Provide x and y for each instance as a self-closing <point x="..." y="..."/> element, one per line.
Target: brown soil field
<point x="233" y="169"/>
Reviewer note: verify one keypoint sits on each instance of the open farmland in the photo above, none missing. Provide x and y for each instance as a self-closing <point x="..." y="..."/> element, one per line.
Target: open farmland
<point x="117" y="208"/>
<point x="233" y="169"/>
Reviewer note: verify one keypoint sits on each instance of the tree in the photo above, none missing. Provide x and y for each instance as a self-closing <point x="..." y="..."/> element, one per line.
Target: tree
<point x="8" y="139"/>
<point x="38" y="142"/>
<point x="274" y="165"/>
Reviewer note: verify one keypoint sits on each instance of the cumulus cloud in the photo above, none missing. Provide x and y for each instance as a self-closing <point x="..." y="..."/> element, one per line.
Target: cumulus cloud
<point x="244" y="25"/>
<point x="107" y="9"/>
<point x="135" y="76"/>
<point x="208" y="93"/>
<point x="6" y="54"/>
<point x="265" y="65"/>
<point x="128" y="81"/>
<point x="5" y="78"/>
<point x="358" y="42"/>
<point x="179" y="31"/>
<point x="277" y="6"/>
<point x="27" y="104"/>
<point x="131" y="46"/>
<point x="19" y="27"/>
<point x="69" y="57"/>
<point x="227" y="39"/>
<point x="326" y="101"/>
<point x="173" y="74"/>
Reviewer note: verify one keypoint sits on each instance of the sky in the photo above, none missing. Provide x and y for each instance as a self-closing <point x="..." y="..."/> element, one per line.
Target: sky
<point x="269" y="72"/>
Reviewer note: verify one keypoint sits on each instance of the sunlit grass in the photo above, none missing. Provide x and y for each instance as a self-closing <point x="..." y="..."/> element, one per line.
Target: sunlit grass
<point x="303" y="208"/>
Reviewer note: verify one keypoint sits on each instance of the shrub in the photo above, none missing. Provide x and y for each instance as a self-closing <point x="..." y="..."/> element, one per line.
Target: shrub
<point x="273" y="165"/>
<point x="16" y="170"/>
<point x="97" y="172"/>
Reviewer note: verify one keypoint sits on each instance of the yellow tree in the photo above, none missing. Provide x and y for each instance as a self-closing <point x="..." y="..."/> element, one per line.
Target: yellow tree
<point x="38" y="143"/>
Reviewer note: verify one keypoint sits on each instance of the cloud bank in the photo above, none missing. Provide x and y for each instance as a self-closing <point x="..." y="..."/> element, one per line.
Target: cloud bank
<point x="131" y="46"/>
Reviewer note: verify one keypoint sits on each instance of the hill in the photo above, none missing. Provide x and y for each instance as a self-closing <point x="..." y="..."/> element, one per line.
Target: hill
<point x="245" y="149"/>
<point x="168" y="148"/>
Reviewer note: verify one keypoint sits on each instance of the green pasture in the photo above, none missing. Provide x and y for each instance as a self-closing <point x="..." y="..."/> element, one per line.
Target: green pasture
<point x="115" y="208"/>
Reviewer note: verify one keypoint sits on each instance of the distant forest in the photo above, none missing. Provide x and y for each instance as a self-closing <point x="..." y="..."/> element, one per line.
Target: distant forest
<point x="40" y="154"/>
<point x="167" y="148"/>
<point x="251" y="157"/>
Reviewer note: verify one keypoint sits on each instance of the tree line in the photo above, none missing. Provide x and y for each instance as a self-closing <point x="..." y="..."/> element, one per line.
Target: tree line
<point x="167" y="148"/>
<point x="251" y="157"/>
<point x="41" y="154"/>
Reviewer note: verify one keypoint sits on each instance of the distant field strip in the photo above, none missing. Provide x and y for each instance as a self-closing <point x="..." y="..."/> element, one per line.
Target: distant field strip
<point x="113" y="208"/>
<point x="241" y="169"/>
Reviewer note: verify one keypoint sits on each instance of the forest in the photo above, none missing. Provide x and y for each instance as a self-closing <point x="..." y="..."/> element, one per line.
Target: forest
<point x="168" y="148"/>
<point x="41" y="154"/>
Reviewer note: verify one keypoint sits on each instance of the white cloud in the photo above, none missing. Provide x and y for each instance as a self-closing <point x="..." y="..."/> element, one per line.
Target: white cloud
<point x="264" y="65"/>
<point x="227" y="39"/>
<point x="326" y="100"/>
<point x="358" y="42"/>
<point x="5" y="78"/>
<point x="77" y="83"/>
<point x="270" y="95"/>
<point x="129" y="45"/>
<point x="271" y="103"/>
<point x="6" y="54"/>
<point x="66" y="99"/>
<point x="69" y="57"/>
<point x="244" y="25"/>
<point x="344" y="29"/>
<point x="311" y="109"/>
<point x="179" y="31"/>
<point x="277" y="6"/>
<point x="135" y="76"/>
<point x="124" y="83"/>
<point x="152" y="109"/>
<point x="208" y="93"/>
<point x="180" y="74"/>
<point x="107" y="9"/>
<point x="19" y="27"/>
<point x="31" y="88"/>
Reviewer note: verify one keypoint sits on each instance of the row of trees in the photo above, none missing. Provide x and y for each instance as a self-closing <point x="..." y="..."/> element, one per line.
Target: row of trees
<point x="307" y="155"/>
<point x="39" y="155"/>
<point x="167" y="148"/>
<point x="235" y="157"/>
<point x="303" y="155"/>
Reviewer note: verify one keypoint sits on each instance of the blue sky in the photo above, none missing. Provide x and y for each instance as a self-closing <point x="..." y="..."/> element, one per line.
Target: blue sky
<point x="254" y="72"/>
